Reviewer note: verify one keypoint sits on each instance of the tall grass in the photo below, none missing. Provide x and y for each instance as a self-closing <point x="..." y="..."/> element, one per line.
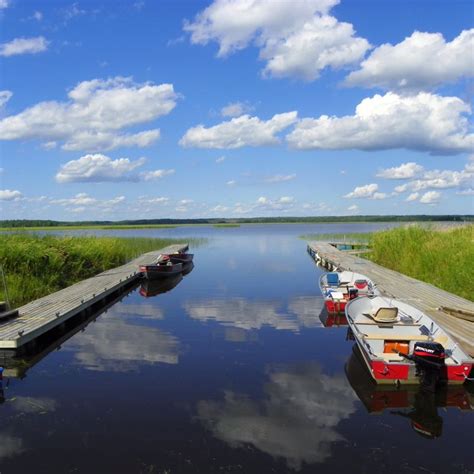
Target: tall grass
<point x="442" y="258"/>
<point x="362" y="237"/>
<point x="37" y="265"/>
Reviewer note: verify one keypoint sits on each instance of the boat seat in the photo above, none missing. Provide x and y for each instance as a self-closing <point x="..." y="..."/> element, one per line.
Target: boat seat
<point x="442" y="339"/>
<point x="384" y="315"/>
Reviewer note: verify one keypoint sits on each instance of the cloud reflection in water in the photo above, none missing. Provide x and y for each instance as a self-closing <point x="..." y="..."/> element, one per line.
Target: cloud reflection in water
<point x="297" y="420"/>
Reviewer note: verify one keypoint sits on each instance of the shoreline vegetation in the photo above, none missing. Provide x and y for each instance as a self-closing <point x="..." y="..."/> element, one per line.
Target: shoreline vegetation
<point x="36" y="266"/>
<point x="170" y="223"/>
<point x="441" y="256"/>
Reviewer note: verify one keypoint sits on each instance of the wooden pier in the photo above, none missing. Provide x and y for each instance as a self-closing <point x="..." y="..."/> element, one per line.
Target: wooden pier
<point x="42" y="315"/>
<point x="424" y="296"/>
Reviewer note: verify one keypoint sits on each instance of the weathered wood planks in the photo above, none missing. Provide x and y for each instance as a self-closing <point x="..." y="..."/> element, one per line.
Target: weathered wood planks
<point x="42" y="315"/>
<point x="424" y="296"/>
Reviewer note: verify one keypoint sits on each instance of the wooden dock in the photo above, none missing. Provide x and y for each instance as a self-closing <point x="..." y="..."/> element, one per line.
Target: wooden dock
<point x="42" y="315"/>
<point x="424" y="296"/>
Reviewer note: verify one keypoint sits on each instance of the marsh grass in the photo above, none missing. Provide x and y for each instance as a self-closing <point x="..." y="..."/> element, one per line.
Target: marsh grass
<point x="37" y="265"/>
<point x="362" y="237"/>
<point x="444" y="258"/>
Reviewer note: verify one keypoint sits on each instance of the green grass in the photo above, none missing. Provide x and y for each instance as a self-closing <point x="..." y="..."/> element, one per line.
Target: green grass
<point x="37" y="265"/>
<point x="226" y="225"/>
<point x="442" y="258"/>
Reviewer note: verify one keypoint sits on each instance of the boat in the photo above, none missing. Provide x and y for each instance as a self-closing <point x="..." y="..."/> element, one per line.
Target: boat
<point x="181" y="257"/>
<point x="401" y="344"/>
<point x="408" y="401"/>
<point x="162" y="268"/>
<point x="338" y="288"/>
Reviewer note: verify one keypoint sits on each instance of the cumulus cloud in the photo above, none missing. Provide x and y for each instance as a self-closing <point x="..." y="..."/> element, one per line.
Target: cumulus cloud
<point x="366" y="191"/>
<point x="423" y="122"/>
<point x="83" y="200"/>
<point x="95" y="115"/>
<point x="156" y="174"/>
<point x="239" y="132"/>
<point x="430" y="197"/>
<point x="10" y="195"/>
<point x="412" y="197"/>
<point x="221" y="159"/>
<point x="353" y="208"/>
<point x="295" y="39"/>
<point x="24" y="46"/>
<point x="280" y="178"/>
<point x="236" y="109"/>
<point x="98" y="168"/>
<point x="397" y="67"/>
<point x="404" y="171"/>
<point x="4" y="4"/>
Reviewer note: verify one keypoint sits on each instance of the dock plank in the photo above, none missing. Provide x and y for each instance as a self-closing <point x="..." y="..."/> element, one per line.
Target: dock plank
<point x="43" y="314"/>
<point x="426" y="297"/>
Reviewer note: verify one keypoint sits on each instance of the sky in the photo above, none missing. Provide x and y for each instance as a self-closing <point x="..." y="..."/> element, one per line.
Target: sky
<point x="144" y="109"/>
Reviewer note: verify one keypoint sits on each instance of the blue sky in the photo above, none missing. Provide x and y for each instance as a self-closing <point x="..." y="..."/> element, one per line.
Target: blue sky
<point x="234" y="108"/>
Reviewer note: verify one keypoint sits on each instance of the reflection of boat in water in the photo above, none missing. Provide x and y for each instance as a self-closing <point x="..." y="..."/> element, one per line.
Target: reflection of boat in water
<point x="330" y="320"/>
<point x="410" y="401"/>
<point x="157" y="287"/>
<point x="401" y="344"/>
<point x="187" y="268"/>
<point x="338" y="288"/>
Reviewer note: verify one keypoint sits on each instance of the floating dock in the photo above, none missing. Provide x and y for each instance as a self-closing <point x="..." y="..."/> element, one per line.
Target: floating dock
<point x="423" y="296"/>
<point x="42" y="315"/>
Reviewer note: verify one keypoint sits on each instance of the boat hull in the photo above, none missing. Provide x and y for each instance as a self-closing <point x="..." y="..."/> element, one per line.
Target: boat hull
<point x="181" y="257"/>
<point x="157" y="272"/>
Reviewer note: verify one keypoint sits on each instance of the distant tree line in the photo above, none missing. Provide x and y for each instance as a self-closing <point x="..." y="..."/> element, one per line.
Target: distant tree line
<point x="17" y="223"/>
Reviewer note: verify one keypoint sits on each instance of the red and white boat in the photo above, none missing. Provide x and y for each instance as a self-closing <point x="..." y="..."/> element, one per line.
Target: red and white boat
<point x="163" y="268"/>
<point x="338" y="288"/>
<point x="401" y="344"/>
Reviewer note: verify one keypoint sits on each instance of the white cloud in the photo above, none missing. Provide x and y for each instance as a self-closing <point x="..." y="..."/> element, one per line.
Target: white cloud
<point x="5" y="96"/>
<point x="235" y="109"/>
<point x="232" y="182"/>
<point x="279" y="178"/>
<point x="404" y="171"/>
<point x="38" y="16"/>
<point x="157" y="200"/>
<point x="412" y="197"/>
<point x="185" y="202"/>
<point x="378" y="196"/>
<point x="296" y="39"/>
<point x="95" y="114"/>
<point x="466" y="192"/>
<point x="98" y="168"/>
<point x="398" y="67"/>
<point x="4" y="4"/>
<point x="10" y="195"/>
<point x="83" y="200"/>
<point x="366" y="191"/>
<point x="219" y="209"/>
<point x="239" y="132"/>
<point x="24" y="46"/>
<point x="402" y="188"/>
<point x="353" y="208"/>
<point x="424" y="122"/>
<point x="430" y="197"/>
<point x="157" y="174"/>
<point x="286" y="200"/>
<point x="221" y="159"/>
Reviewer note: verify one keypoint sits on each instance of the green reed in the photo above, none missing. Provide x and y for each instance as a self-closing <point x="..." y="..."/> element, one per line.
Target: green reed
<point x="36" y="265"/>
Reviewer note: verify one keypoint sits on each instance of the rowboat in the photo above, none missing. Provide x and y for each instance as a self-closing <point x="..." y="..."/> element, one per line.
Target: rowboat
<point x="338" y="288"/>
<point x="163" y="268"/>
<point x="401" y="344"/>
<point x="181" y="257"/>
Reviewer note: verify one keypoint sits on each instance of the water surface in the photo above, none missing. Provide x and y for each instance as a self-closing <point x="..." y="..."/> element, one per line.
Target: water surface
<point x="232" y="370"/>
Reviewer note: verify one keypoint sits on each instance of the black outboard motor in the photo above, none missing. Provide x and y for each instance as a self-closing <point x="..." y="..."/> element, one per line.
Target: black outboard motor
<point x="353" y="293"/>
<point x="429" y="358"/>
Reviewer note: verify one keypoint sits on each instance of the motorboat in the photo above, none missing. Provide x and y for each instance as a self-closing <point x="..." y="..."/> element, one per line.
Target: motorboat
<point x="162" y="268"/>
<point x="338" y="288"/>
<point x="401" y="344"/>
<point x="181" y="257"/>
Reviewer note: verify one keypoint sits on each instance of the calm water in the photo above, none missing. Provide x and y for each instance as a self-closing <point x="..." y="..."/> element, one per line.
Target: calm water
<point x="230" y="371"/>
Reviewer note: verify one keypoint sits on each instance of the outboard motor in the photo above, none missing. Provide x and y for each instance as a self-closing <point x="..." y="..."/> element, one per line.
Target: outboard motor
<point x="353" y="293"/>
<point x="429" y="358"/>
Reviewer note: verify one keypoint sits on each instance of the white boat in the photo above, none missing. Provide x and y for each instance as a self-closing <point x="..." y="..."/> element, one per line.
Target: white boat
<point x="401" y="344"/>
<point x="338" y="288"/>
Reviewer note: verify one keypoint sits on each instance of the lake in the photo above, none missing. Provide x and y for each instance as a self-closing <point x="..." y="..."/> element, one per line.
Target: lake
<point x="236" y="369"/>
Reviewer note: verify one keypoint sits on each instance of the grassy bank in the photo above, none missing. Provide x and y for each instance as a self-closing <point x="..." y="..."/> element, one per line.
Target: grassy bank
<point x="442" y="258"/>
<point x="226" y="225"/>
<point x="38" y="265"/>
<point x="362" y="237"/>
